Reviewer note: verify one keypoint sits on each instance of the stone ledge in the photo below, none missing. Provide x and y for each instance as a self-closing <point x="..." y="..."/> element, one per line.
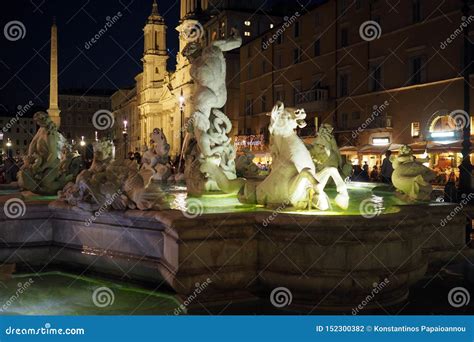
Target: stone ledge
<point x="241" y="256"/>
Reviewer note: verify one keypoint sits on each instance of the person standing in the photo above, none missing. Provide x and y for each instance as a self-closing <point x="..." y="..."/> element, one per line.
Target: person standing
<point x="374" y="175"/>
<point x="387" y="168"/>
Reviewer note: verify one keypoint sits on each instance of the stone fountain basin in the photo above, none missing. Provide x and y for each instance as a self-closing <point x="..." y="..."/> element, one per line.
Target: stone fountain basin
<point x="327" y="262"/>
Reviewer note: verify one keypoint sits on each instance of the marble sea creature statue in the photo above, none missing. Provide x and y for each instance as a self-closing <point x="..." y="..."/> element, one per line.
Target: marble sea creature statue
<point x="325" y="152"/>
<point x="156" y="158"/>
<point x="49" y="165"/>
<point x="245" y="166"/>
<point x="293" y="178"/>
<point x="109" y="183"/>
<point x="410" y="176"/>
<point x="208" y="125"/>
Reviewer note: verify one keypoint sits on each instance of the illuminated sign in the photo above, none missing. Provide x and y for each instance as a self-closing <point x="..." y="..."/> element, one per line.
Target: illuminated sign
<point x="251" y="142"/>
<point x="381" y="141"/>
<point x="442" y="134"/>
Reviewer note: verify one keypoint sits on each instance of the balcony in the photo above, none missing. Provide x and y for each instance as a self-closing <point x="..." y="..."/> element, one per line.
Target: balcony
<point x="313" y="100"/>
<point x="373" y="122"/>
<point x="382" y="121"/>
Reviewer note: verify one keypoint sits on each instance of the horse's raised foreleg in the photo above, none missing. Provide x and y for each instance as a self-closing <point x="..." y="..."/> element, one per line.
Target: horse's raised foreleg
<point x="342" y="199"/>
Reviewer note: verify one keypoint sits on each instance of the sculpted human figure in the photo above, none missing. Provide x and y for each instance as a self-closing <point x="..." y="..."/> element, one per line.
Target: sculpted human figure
<point x="325" y="152"/>
<point x="209" y="125"/>
<point x="47" y="166"/>
<point x="156" y="158"/>
<point x="410" y="176"/>
<point x="245" y="166"/>
<point x="109" y="183"/>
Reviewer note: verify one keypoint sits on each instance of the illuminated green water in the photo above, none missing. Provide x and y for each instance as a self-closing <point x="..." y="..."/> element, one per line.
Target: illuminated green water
<point x="383" y="199"/>
<point x="57" y="293"/>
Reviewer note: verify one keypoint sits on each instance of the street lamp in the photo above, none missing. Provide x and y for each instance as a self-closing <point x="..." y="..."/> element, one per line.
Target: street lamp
<point x="83" y="142"/>
<point x="181" y="109"/>
<point x="9" y="148"/>
<point x="125" y="137"/>
<point x="96" y="136"/>
<point x="465" y="170"/>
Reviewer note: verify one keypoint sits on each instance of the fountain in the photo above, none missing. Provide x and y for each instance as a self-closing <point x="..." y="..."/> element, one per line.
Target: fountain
<point x="242" y="237"/>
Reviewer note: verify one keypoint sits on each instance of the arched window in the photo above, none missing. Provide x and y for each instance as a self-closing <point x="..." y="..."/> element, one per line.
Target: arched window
<point x="444" y="123"/>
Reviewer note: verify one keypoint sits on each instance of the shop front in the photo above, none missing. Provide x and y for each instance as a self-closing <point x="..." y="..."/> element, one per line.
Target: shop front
<point x="254" y="144"/>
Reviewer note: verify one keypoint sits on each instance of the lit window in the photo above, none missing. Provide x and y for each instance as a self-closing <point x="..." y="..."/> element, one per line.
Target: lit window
<point x="415" y="129"/>
<point x="381" y="141"/>
<point x="247" y="23"/>
<point x="247" y="34"/>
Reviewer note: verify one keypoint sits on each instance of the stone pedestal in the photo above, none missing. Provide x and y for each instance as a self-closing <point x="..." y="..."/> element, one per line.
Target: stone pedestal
<point x="326" y="262"/>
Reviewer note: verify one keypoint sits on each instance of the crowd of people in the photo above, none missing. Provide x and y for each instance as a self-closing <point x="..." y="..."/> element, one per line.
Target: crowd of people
<point x="382" y="174"/>
<point x="9" y="167"/>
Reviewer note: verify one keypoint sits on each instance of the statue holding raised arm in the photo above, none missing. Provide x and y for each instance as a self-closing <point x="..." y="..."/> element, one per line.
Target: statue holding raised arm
<point x="210" y="126"/>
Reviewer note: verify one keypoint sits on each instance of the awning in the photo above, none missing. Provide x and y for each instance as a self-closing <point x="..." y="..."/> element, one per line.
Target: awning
<point x="419" y="147"/>
<point x="378" y="149"/>
<point x="433" y="147"/>
<point x="348" y="150"/>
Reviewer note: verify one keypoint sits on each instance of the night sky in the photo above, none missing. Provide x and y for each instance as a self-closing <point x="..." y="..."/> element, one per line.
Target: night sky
<point x="111" y="63"/>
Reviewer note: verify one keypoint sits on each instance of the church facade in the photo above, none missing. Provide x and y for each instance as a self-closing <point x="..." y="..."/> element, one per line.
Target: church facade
<point x="163" y="99"/>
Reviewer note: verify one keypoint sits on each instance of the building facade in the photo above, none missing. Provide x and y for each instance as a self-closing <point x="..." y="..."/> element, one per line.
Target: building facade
<point x="17" y="129"/>
<point x="395" y="87"/>
<point x="164" y="99"/>
<point x="77" y="109"/>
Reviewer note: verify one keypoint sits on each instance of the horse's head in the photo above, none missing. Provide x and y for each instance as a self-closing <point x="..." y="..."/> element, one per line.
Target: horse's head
<point x="284" y="121"/>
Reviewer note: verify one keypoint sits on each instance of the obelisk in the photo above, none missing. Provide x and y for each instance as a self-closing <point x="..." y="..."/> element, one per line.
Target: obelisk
<point x="53" y="109"/>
